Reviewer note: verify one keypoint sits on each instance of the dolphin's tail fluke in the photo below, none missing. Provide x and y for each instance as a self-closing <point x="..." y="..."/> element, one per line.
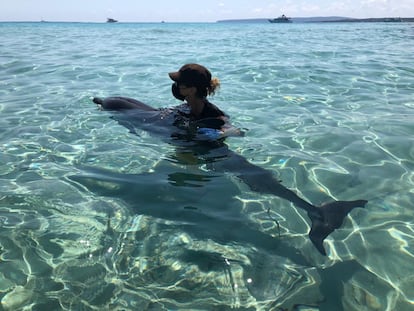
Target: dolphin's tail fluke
<point x="329" y="217"/>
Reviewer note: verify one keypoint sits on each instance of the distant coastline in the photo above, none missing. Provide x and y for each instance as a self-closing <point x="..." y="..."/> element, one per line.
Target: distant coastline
<point x="325" y="19"/>
<point x="318" y="19"/>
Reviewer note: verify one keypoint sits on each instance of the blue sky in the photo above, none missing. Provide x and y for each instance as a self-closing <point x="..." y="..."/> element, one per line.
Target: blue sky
<point x="195" y="10"/>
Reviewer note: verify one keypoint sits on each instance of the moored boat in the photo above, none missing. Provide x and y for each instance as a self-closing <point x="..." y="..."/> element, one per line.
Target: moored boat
<point x="281" y="19"/>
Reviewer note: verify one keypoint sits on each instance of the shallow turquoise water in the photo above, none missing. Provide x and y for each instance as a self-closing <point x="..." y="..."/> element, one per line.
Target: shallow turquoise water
<point x="328" y="107"/>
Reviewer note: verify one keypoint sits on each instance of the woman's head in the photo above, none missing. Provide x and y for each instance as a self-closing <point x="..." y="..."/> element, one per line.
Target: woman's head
<point x="194" y="75"/>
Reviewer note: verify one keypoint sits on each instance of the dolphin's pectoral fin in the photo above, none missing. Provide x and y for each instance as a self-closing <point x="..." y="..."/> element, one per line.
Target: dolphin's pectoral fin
<point x="331" y="217"/>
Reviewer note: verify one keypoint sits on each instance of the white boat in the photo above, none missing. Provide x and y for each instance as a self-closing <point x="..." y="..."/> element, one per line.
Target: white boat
<point x="281" y="19"/>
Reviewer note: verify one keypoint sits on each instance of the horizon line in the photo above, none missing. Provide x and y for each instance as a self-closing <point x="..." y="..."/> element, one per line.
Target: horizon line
<point x="230" y="19"/>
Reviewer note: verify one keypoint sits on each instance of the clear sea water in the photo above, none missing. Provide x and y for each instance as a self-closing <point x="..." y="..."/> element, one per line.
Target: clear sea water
<point x="329" y="108"/>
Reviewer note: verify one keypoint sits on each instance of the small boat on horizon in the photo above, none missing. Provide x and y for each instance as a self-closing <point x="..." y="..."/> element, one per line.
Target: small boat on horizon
<point x="111" y="20"/>
<point x="281" y="19"/>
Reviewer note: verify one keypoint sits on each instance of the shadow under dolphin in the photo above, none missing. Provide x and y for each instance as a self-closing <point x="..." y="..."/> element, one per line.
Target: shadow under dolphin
<point x="191" y="211"/>
<point x="218" y="157"/>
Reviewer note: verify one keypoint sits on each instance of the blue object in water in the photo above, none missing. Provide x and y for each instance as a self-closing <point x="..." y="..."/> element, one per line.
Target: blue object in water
<point x="208" y="133"/>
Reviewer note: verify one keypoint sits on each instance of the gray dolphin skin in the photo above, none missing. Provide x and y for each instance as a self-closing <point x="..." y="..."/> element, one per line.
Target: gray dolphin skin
<point x="134" y="114"/>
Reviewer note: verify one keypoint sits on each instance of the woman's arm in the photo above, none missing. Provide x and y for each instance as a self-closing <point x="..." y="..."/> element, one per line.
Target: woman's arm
<point x="230" y="130"/>
<point x="216" y="128"/>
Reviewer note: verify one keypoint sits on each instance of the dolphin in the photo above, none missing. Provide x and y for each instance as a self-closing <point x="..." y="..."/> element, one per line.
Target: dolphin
<point x="133" y="114"/>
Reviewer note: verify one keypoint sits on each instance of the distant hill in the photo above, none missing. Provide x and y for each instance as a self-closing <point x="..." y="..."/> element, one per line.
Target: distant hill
<point x="321" y="19"/>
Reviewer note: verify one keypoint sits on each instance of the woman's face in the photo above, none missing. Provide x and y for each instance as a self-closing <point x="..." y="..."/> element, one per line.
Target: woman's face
<point x="182" y="91"/>
<point x="185" y="90"/>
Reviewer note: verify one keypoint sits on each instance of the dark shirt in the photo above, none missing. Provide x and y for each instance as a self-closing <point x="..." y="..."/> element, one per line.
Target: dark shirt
<point x="183" y="114"/>
<point x="210" y="111"/>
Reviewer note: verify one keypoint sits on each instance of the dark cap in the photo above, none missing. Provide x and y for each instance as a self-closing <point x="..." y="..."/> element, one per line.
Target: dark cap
<point x="192" y="75"/>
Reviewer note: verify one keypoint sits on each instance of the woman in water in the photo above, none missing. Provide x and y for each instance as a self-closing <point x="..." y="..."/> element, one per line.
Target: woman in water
<point x="193" y="83"/>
